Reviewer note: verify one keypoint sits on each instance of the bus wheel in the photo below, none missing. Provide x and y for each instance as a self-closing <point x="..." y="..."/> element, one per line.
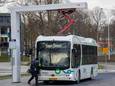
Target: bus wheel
<point x="78" y="80"/>
<point x="92" y="74"/>
<point x="46" y="82"/>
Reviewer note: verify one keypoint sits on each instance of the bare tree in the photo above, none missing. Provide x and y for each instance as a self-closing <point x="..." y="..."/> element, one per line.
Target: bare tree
<point x="49" y="23"/>
<point x="112" y="31"/>
<point x="39" y="23"/>
<point x="82" y="23"/>
<point x="98" y="17"/>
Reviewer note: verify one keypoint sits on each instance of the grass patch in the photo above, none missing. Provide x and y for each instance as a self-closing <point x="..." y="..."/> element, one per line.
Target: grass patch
<point x="25" y="63"/>
<point x="4" y="58"/>
<point x="100" y="66"/>
<point x="25" y="59"/>
<point x="25" y="74"/>
<point x="5" y="77"/>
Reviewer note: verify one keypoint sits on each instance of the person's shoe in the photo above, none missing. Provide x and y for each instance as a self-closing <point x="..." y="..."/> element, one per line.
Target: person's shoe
<point x="36" y="84"/>
<point x="28" y="82"/>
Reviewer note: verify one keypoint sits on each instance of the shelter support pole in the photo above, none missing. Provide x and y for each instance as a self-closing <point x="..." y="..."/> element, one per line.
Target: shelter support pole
<point x="15" y="38"/>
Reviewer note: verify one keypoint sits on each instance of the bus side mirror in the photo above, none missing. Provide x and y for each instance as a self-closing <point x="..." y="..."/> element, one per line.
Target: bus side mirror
<point x="41" y="60"/>
<point x="74" y="50"/>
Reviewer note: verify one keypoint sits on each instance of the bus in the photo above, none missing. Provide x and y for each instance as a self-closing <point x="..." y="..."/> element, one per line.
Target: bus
<point x="66" y="58"/>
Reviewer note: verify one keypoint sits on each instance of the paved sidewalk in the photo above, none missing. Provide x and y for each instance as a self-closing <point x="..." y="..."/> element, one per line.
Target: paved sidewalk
<point x="106" y="71"/>
<point x="8" y="82"/>
<point x="108" y="65"/>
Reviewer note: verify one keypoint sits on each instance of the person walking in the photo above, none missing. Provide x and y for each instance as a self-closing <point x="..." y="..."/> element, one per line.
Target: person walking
<point x="34" y="71"/>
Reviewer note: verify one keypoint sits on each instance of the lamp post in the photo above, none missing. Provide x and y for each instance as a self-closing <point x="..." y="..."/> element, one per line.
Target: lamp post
<point x="108" y="40"/>
<point x="0" y="41"/>
<point x="109" y="21"/>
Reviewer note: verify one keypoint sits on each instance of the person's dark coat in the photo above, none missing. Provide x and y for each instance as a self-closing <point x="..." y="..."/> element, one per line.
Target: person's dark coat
<point x="33" y="68"/>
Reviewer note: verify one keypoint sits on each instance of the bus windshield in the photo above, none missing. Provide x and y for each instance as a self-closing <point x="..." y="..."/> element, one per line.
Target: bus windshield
<point x="53" y="54"/>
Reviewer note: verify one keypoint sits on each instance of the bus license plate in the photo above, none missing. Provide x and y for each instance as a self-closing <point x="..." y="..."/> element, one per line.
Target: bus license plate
<point x="53" y="78"/>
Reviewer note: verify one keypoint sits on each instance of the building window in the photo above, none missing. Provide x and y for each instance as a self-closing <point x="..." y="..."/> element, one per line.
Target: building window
<point x="7" y="19"/>
<point x="4" y="42"/>
<point x="3" y="39"/>
<point x="3" y="30"/>
<point x="1" y="19"/>
<point x="4" y="19"/>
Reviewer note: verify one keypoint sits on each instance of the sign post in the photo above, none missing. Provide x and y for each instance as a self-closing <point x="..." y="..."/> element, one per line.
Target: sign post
<point x="105" y="52"/>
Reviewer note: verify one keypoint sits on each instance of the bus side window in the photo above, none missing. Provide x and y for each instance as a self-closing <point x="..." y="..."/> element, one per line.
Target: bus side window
<point x="89" y="54"/>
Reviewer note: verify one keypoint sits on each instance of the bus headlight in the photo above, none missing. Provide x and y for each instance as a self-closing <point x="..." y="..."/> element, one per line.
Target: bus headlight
<point x="70" y="75"/>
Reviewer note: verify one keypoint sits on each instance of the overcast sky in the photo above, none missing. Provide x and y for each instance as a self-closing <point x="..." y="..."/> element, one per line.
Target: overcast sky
<point x="109" y="4"/>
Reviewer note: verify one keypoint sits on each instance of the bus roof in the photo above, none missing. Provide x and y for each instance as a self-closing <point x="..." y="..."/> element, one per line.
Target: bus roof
<point x="72" y="38"/>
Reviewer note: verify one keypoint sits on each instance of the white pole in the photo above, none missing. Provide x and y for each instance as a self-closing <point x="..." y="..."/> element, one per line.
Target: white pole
<point x="15" y="37"/>
<point x="109" y="39"/>
<point x="0" y="40"/>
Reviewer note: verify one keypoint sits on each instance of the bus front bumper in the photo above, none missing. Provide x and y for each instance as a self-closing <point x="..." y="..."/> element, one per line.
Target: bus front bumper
<point x="56" y="78"/>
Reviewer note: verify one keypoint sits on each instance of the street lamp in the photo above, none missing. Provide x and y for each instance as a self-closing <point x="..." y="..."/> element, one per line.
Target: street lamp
<point x="108" y="40"/>
<point x="109" y="21"/>
<point x="0" y="41"/>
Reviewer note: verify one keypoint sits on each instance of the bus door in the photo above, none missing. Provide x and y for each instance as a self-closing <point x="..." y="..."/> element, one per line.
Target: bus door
<point x="76" y="56"/>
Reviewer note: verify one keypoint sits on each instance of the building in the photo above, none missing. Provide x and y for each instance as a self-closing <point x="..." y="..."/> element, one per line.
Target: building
<point x="5" y="25"/>
<point x="4" y="31"/>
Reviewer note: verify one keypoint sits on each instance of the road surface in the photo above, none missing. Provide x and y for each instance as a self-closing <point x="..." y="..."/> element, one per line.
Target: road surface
<point x="104" y="79"/>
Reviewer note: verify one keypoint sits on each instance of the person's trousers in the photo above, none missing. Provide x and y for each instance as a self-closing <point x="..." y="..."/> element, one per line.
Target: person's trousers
<point x="32" y="77"/>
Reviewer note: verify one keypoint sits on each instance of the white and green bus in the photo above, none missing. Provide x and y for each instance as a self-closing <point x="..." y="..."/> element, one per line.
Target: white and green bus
<point x="66" y="58"/>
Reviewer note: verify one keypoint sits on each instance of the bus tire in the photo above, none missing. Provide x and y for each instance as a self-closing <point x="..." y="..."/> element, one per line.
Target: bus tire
<point x="46" y="82"/>
<point x="92" y="74"/>
<point x="79" y="75"/>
